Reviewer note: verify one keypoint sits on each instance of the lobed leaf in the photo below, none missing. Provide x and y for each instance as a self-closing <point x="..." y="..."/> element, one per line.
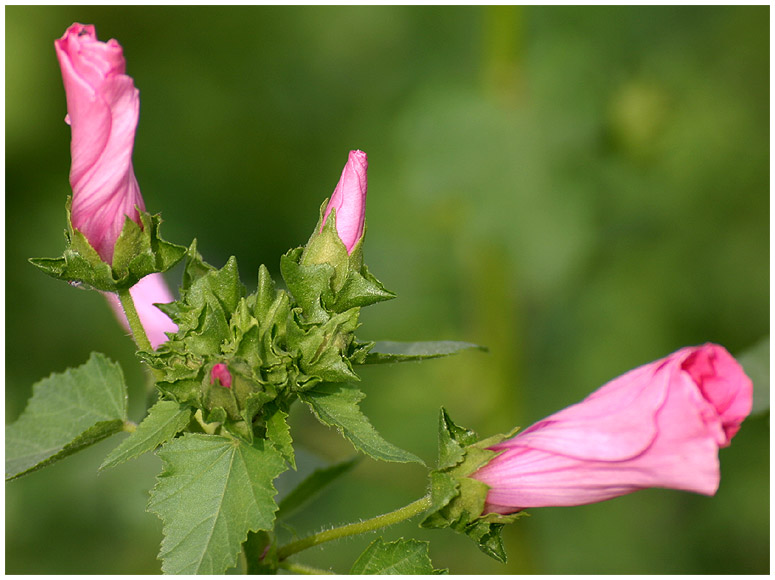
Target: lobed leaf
<point x="67" y="412"/>
<point x="212" y="492"/>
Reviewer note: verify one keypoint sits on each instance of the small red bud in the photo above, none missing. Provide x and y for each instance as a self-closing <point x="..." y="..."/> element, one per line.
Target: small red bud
<point x="221" y="373"/>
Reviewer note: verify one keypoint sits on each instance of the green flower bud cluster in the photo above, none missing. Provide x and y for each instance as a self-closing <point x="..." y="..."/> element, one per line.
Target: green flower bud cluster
<point x="275" y="343"/>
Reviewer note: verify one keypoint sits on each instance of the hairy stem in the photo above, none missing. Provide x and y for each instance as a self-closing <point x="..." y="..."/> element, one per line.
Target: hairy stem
<point x="303" y="569"/>
<point x="138" y="332"/>
<point x="354" y="529"/>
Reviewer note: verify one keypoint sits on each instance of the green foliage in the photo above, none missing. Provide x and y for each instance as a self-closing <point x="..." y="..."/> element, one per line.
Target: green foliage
<point x="458" y="500"/>
<point x="212" y="492"/>
<point x="163" y="421"/>
<point x="528" y="169"/>
<point x="67" y="412"/>
<point x="279" y="432"/>
<point x="386" y="351"/>
<point x="336" y="405"/>
<point x="324" y="279"/>
<point x="138" y="251"/>
<point x="398" y="557"/>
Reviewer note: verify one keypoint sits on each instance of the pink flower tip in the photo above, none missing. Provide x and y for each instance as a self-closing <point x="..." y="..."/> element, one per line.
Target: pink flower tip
<point x="349" y="200"/>
<point x="659" y="425"/>
<point x="103" y="107"/>
<point x="221" y="374"/>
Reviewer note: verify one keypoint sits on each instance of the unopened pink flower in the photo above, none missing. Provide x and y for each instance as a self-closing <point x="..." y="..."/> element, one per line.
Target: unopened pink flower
<point x="659" y="425"/>
<point x="220" y="373"/>
<point x="349" y="200"/>
<point x="148" y="291"/>
<point x="102" y="109"/>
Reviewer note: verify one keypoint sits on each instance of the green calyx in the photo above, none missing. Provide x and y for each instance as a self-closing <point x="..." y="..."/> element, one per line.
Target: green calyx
<point x="139" y="250"/>
<point x="458" y="500"/>
<point x="324" y="280"/>
<point x="276" y="344"/>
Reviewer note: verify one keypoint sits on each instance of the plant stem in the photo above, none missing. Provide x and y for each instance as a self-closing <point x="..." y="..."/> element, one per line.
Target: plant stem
<point x="138" y="332"/>
<point x="303" y="569"/>
<point x="369" y="525"/>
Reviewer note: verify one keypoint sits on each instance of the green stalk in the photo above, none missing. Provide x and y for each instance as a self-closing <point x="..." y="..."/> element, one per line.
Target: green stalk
<point x="138" y="332"/>
<point x="136" y="327"/>
<point x="303" y="569"/>
<point x="354" y="529"/>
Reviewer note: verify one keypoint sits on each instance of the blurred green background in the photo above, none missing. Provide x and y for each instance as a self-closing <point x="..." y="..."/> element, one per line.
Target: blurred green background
<point x="584" y="189"/>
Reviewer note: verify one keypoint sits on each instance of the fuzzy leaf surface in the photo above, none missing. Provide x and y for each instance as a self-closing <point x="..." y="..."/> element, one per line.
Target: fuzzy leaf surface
<point x="163" y="421"/>
<point x="336" y="405"/>
<point x="398" y="557"/>
<point x="212" y="492"/>
<point x="67" y="412"/>
<point x="386" y="351"/>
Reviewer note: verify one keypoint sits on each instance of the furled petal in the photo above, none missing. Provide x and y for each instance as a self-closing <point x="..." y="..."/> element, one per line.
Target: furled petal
<point x="659" y="425"/>
<point x="349" y="200"/>
<point x="103" y="107"/>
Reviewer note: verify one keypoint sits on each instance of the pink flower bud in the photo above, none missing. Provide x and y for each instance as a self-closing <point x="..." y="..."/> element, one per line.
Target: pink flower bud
<point x="102" y="110"/>
<point x="221" y="374"/>
<point x="659" y="425"/>
<point x="148" y="291"/>
<point x="349" y="200"/>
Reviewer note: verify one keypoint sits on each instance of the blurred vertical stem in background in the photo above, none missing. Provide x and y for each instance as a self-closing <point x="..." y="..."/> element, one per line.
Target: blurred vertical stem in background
<point x="489" y="286"/>
<point x="502" y="53"/>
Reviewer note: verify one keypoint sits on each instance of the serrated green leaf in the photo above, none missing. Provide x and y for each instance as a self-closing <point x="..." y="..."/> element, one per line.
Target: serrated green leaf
<point x="163" y="421"/>
<point x="279" y="433"/>
<point x="398" y="557"/>
<point x="312" y="485"/>
<point x="212" y="492"/>
<point x="385" y="351"/>
<point x="756" y="364"/>
<point x="67" y="412"/>
<point x="336" y="405"/>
